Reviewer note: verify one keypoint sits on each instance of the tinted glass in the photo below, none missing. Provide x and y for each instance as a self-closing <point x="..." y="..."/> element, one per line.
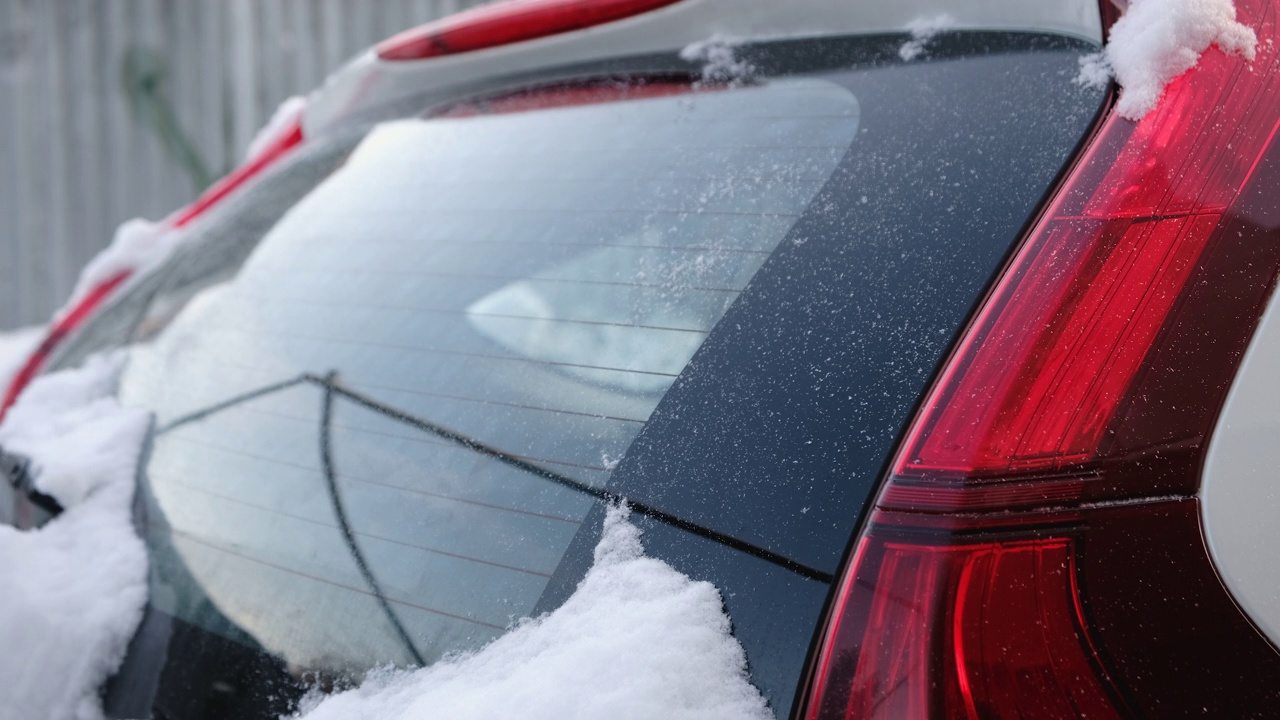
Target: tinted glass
<point x="380" y="436"/>
<point x="754" y="464"/>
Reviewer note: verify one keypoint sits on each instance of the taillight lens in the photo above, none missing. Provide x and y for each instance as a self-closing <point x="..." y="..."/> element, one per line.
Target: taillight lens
<point x="508" y="22"/>
<point x="1017" y="563"/>
<point x="989" y="629"/>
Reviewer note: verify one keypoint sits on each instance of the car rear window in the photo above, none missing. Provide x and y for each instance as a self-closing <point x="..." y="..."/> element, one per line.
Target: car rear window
<point x="378" y="438"/>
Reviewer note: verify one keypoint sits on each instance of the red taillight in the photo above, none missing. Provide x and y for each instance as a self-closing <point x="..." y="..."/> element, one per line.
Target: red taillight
<point x="1040" y="376"/>
<point x="983" y="629"/>
<point x="1015" y="565"/>
<point x="508" y="22"/>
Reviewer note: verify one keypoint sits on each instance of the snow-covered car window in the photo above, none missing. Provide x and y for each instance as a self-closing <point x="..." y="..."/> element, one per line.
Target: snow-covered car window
<point x="379" y="437"/>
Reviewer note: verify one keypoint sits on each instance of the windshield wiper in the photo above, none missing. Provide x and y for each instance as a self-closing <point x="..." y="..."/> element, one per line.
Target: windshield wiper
<point x="330" y="385"/>
<point x="17" y="471"/>
<point x="340" y="512"/>
<point x="331" y="484"/>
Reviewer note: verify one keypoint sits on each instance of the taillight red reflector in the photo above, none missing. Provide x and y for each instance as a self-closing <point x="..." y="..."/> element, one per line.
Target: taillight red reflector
<point x="1035" y="551"/>
<point x="976" y="630"/>
<point x="63" y="327"/>
<point x="288" y="139"/>
<point x="1054" y="351"/>
<point x="508" y="22"/>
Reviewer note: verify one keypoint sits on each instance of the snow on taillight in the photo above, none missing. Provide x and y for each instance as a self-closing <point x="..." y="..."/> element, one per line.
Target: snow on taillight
<point x="1035" y="551"/>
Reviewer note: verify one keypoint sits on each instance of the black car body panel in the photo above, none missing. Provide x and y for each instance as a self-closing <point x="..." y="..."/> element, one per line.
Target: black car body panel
<point x="780" y="428"/>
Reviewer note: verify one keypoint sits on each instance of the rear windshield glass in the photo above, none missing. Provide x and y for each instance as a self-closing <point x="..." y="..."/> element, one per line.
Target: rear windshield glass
<point x="377" y="440"/>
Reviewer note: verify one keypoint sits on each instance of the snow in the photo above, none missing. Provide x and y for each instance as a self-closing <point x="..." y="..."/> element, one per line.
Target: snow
<point x="719" y="58"/>
<point x="636" y="640"/>
<point x="15" y="347"/>
<point x="138" y="246"/>
<point x="288" y="112"/>
<point x="73" y="590"/>
<point x="1157" y="40"/>
<point x="922" y="31"/>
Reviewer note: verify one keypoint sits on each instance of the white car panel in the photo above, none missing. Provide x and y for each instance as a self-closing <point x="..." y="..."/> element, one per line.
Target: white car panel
<point x="369" y="82"/>
<point x="1240" y="492"/>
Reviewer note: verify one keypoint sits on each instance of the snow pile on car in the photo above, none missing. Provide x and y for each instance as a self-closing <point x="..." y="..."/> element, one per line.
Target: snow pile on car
<point x="287" y="114"/>
<point x="71" y="592"/>
<point x="923" y="30"/>
<point x="718" y="55"/>
<point x="636" y="640"/>
<point x="138" y="246"/>
<point x="1157" y="40"/>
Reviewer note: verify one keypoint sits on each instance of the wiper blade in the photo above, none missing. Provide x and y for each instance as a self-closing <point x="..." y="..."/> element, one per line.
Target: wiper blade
<point x="17" y="471"/>
<point x="602" y="494"/>
<point x="330" y="386"/>
<point x="340" y="512"/>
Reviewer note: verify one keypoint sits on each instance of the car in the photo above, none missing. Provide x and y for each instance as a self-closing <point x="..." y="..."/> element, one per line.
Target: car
<point x="954" y="382"/>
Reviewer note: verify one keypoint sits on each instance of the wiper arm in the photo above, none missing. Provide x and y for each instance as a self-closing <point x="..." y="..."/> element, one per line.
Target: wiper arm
<point x="326" y="383"/>
<point x="237" y="400"/>
<point x="16" y="470"/>
<point x="340" y="512"/>
<point x="329" y="385"/>
<point x="602" y="494"/>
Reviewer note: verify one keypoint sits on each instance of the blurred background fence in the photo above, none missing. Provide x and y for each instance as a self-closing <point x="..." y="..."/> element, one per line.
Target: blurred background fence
<point x="112" y="109"/>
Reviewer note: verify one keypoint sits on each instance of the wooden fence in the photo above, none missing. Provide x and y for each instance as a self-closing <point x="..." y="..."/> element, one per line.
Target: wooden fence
<point x="112" y="109"/>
